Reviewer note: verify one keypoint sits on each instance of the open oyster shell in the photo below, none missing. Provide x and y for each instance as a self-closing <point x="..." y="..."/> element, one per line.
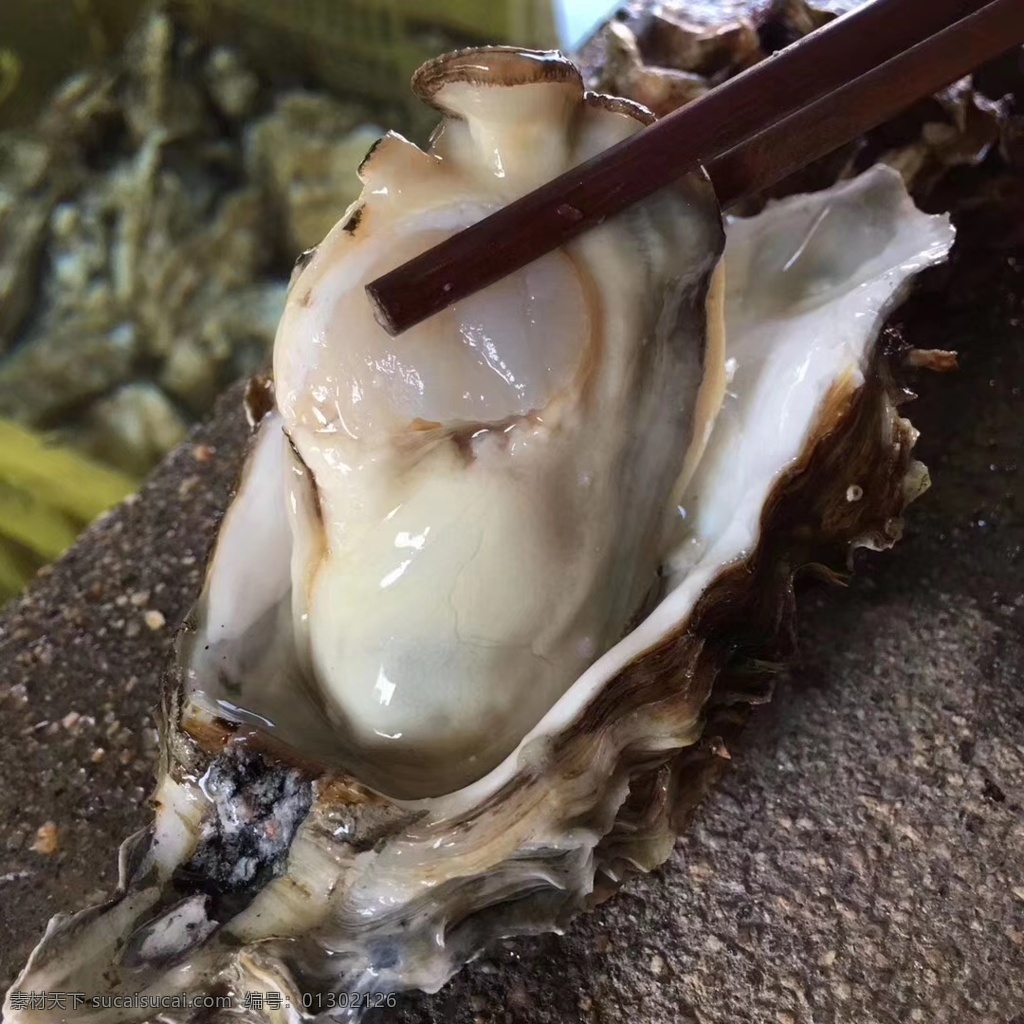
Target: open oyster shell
<point x="616" y="507"/>
<point x="665" y="55"/>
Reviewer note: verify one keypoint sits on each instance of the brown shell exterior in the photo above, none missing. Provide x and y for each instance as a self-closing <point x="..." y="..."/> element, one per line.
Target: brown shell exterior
<point x="667" y="55"/>
<point x="746" y="617"/>
<point x="491" y="65"/>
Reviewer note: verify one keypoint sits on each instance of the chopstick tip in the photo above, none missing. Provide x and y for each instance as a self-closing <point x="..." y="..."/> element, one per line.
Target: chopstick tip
<point x="381" y="313"/>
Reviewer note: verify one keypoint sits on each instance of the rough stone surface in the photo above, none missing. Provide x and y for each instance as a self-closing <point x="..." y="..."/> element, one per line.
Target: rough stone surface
<point x="864" y="860"/>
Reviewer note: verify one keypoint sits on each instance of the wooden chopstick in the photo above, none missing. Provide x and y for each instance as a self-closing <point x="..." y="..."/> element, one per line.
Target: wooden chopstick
<point x="781" y="114"/>
<point x="866" y="102"/>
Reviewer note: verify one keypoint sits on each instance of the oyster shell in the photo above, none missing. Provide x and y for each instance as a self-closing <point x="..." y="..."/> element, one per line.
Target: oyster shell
<point x="610" y="510"/>
<point x="666" y="55"/>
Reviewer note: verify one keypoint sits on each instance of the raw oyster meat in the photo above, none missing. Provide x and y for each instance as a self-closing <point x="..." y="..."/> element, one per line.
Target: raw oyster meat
<point x="468" y="517"/>
<point x="483" y="614"/>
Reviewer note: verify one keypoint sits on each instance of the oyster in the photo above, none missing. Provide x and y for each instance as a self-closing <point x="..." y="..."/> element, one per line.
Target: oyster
<point x="480" y="619"/>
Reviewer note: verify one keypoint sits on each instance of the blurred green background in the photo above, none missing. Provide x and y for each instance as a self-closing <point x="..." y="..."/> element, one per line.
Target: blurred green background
<point x="42" y="41"/>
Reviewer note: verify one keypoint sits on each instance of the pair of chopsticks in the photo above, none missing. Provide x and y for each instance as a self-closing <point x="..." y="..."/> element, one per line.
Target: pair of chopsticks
<point x="750" y="132"/>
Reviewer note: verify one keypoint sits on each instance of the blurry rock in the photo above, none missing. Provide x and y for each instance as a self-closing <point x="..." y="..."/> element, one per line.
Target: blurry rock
<point x="147" y="227"/>
<point x="79" y="119"/>
<point x="23" y="216"/>
<point x="134" y="427"/>
<point x="57" y="369"/>
<point x="307" y="151"/>
<point x="689" y="41"/>
<point x="182" y="270"/>
<point x="241" y="329"/>
<point x="157" y="99"/>
<point x="23" y="163"/>
<point x="790" y="20"/>
<point x="140" y="257"/>
<point x="233" y="341"/>
<point x="80" y="283"/>
<point x="624" y="73"/>
<point x="21" y="238"/>
<point x="232" y="86"/>
<point x="960" y="130"/>
<point x="190" y="373"/>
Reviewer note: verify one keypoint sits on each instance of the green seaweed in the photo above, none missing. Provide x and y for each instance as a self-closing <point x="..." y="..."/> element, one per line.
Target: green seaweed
<point x="48" y="494"/>
<point x="12" y="572"/>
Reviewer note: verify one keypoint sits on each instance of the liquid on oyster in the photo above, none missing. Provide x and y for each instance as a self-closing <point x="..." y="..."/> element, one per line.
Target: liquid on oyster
<point x="467" y="516"/>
